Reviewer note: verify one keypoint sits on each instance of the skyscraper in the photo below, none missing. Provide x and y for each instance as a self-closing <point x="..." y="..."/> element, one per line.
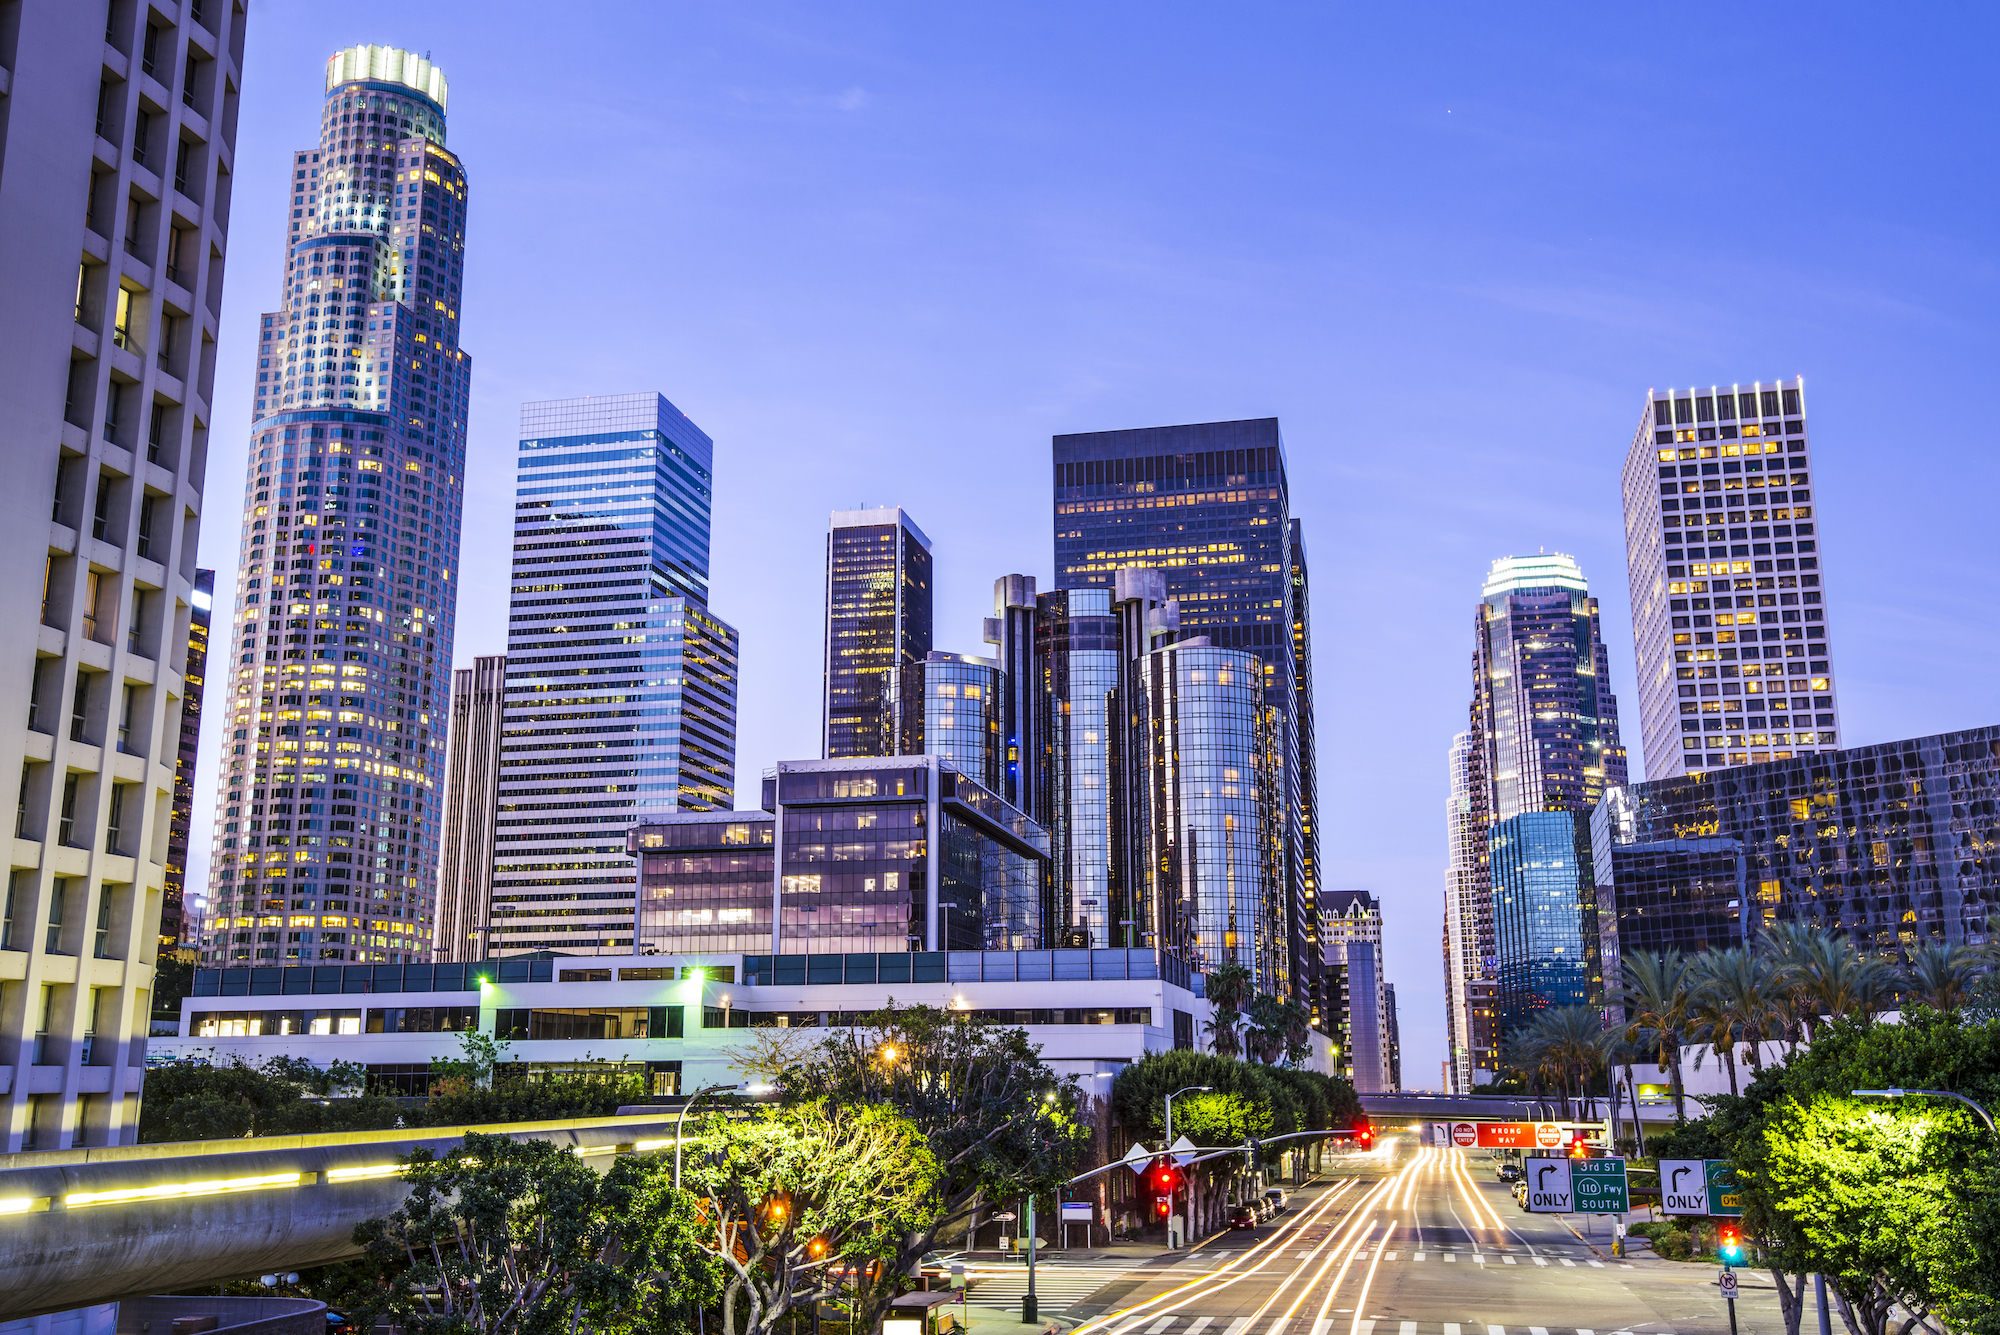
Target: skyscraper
<point x="1722" y="550"/>
<point x="175" y="929"/>
<point x="326" y="842"/>
<point x="1077" y="650"/>
<point x="471" y="795"/>
<point x="1306" y="855"/>
<point x="1356" y="997"/>
<point x="621" y="685"/>
<point x="1543" y="738"/>
<point x="878" y="620"/>
<point x="117" y="130"/>
<point x="1208" y="506"/>
<point x="950" y="706"/>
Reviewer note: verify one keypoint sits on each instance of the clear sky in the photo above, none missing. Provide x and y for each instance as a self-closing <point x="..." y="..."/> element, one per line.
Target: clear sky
<point x="881" y="253"/>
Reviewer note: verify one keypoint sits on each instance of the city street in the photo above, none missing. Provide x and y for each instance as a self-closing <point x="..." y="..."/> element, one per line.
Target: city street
<point x="1409" y="1243"/>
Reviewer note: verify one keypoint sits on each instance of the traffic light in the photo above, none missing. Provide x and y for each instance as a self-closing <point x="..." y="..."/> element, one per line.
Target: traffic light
<point x="1366" y="1136"/>
<point x="1161" y="1209"/>
<point x="1166" y="1176"/>
<point x="1729" y="1243"/>
<point x="1577" y="1150"/>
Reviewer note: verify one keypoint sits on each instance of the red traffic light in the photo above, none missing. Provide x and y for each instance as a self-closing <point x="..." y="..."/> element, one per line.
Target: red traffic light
<point x="1161" y="1208"/>
<point x="1729" y="1242"/>
<point x="1166" y="1177"/>
<point x="1367" y="1135"/>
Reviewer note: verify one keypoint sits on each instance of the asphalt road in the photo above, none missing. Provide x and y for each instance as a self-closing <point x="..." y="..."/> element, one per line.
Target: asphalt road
<point x="1402" y="1242"/>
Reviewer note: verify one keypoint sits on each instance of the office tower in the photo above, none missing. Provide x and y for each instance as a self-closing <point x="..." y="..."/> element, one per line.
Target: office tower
<point x="1881" y="842"/>
<point x="1077" y="650"/>
<point x="471" y="795"/>
<point x="1545" y="922"/>
<point x="117" y="130"/>
<point x="1543" y="739"/>
<point x="900" y="853"/>
<point x="1207" y="505"/>
<point x="705" y="882"/>
<point x="176" y="931"/>
<point x="1011" y="630"/>
<point x="950" y="706"/>
<point x="326" y="842"/>
<point x="1722" y="551"/>
<point x="878" y="620"/>
<point x="1394" y="1029"/>
<point x="1306" y="853"/>
<point x="1469" y="951"/>
<point x="621" y="685"/>
<point x="1355" y="989"/>
<point x="1210" y="887"/>
<point x="1543" y="713"/>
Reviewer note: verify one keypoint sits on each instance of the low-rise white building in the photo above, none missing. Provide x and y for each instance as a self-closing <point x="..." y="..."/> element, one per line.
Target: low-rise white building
<point x="681" y="1021"/>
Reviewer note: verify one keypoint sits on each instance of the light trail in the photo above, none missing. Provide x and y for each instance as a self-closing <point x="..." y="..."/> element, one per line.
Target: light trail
<point x="1361" y="1299"/>
<point x="1271" y="1248"/>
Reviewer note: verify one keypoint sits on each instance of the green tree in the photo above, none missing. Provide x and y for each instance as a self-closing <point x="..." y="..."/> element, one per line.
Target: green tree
<point x="223" y="1099"/>
<point x="1000" y="1124"/>
<point x="804" y="1194"/>
<point x="523" y="1237"/>
<point x="1654" y="993"/>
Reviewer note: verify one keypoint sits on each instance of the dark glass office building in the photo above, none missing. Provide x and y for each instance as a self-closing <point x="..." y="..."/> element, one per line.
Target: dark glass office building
<point x="1207" y="505"/>
<point x="174" y="927"/>
<point x="878" y="620"/>
<point x="1892" y="844"/>
<point x="1545" y="919"/>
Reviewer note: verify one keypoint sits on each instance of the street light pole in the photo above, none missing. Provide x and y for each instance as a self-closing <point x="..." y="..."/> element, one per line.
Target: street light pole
<point x="1984" y="1116"/>
<point x="1191" y="1089"/>
<point x="681" y="1121"/>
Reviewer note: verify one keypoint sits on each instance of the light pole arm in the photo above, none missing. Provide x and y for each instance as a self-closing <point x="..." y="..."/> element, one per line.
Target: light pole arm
<point x="1984" y="1116"/>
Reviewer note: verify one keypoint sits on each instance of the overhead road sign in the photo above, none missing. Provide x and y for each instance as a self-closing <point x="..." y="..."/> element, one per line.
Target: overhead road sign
<point x="1725" y="1193"/>
<point x="1598" y="1185"/>
<point x="1684" y="1186"/>
<point x="1549" y="1186"/>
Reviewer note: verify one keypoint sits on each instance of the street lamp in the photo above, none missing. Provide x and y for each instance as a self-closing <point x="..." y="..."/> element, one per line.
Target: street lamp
<point x="681" y="1121"/>
<point x="1191" y="1089"/>
<point x="1984" y="1116"/>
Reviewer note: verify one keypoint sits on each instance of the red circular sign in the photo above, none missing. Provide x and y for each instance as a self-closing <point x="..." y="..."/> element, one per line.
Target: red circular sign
<point x="1465" y="1134"/>
<point x="1548" y="1135"/>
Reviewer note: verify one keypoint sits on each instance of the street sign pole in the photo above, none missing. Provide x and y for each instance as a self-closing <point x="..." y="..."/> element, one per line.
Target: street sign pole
<point x="1728" y="1286"/>
<point x="1028" y="1304"/>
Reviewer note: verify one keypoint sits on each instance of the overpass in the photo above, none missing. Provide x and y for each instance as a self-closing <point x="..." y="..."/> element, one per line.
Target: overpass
<point x="1502" y="1108"/>
<point x="102" y="1225"/>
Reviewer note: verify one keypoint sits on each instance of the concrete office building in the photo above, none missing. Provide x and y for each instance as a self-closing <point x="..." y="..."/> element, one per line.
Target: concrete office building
<point x="878" y="621"/>
<point x="178" y="931"/>
<point x="471" y="794"/>
<point x="621" y="685"/>
<point x="1394" y="1029"/>
<point x="117" y="134"/>
<point x="1724" y="555"/>
<point x="1469" y="960"/>
<point x="339" y="658"/>
<point x="1890" y="844"/>
<point x="1357" y="992"/>
<point x="1207" y="505"/>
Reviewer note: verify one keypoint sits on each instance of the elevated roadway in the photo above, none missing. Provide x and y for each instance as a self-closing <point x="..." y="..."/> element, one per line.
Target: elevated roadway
<point x="100" y="1225"/>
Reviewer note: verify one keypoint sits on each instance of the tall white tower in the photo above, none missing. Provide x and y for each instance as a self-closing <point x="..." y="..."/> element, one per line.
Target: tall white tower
<point x="1723" y="552"/>
<point x="334" y="683"/>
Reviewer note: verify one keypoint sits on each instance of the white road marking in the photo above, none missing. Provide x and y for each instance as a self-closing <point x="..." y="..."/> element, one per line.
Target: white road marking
<point x="1160" y="1325"/>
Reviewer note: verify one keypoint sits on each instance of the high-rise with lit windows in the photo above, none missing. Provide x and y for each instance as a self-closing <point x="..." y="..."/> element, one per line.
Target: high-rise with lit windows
<point x="117" y="154"/>
<point x="1729" y="625"/>
<point x="620" y="700"/>
<point x="878" y="621"/>
<point x="332" y="688"/>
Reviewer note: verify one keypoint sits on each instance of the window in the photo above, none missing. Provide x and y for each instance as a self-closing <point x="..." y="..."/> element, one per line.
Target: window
<point x="101" y="948"/>
<point x="114" y="824"/>
<point x="58" y="896"/>
<point x="7" y="918"/>
<point x="80" y="702"/>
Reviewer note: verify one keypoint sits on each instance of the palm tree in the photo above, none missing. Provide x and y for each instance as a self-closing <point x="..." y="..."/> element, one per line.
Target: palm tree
<point x="1786" y="947"/>
<point x="1654" y="994"/>
<point x="1227" y="987"/>
<point x="1940" y="974"/>
<point x="1736" y="983"/>
<point x="1619" y="1051"/>
<point x="1571" y="1037"/>
<point x="1223" y="1040"/>
<point x="1837" y="981"/>
<point x="1712" y="1022"/>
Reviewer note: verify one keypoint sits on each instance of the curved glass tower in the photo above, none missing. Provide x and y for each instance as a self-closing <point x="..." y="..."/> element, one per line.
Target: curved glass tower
<point x="334" y="682"/>
<point x="949" y="706"/>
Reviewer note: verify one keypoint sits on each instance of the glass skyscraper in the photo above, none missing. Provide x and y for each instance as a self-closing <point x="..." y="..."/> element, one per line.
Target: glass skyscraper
<point x="1207" y="505"/>
<point x="1729" y="622"/>
<point x="621" y="685"/>
<point x="1077" y="649"/>
<point x="1543" y="742"/>
<point x="339" y="660"/>
<point x="950" y="706"/>
<point x="878" y="621"/>
<point x="1545" y="923"/>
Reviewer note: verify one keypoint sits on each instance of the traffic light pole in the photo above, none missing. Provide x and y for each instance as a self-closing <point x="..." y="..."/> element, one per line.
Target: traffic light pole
<point x="1029" y="1306"/>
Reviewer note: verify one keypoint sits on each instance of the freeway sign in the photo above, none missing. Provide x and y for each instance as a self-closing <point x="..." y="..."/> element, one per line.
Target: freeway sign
<point x="1684" y="1186"/>
<point x="1599" y="1186"/>
<point x="1725" y="1194"/>
<point x="1548" y="1186"/>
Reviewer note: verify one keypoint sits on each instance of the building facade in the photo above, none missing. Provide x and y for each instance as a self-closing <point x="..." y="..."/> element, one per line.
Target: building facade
<point x="1724" y="557"/>
<point x="621" y="684"/>
<point x="471" y="798"/>
<point x="117" y="148"/>
<point x="326" y="839"/>
<point x="1891" y="844"/>
<point x="1356" y="989"/>
<point x="1545" y="916"/>
<point x="878" y="621"/>
<point x="1078" y="665"/>
<point x="1469" y="958"/>
<point x="178" y="929"/>
<point x="1207" y="506"/>
<point x="952" y="706"/>
<point x="1305" y="855"/>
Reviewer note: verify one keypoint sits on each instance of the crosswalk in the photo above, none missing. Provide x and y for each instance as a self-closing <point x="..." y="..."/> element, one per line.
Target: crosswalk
<point x="1207" y="1325"/>
<point x="1057" y="1289"/>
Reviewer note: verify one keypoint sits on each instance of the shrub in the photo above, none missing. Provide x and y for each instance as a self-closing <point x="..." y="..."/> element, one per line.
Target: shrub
<point x="1674" y="1245"/>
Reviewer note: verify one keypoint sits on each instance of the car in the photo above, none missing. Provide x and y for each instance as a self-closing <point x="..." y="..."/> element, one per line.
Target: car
<point x="1243" y="1216"/>
<point x="1521" y="1193"/>
<point x="1277" y="1199"/>
<point x="1510" y="1172"/>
